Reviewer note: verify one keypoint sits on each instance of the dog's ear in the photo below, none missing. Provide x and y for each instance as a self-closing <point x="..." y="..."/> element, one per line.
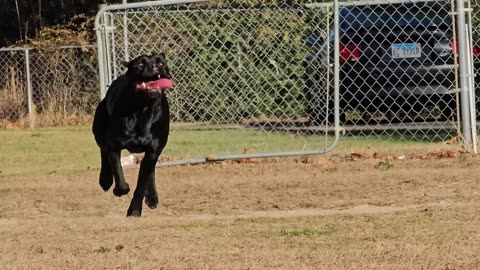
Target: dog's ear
<point x="125" y="64"/>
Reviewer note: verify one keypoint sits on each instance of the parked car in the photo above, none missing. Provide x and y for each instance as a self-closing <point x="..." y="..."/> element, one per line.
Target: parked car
<point x="396" y="64"/>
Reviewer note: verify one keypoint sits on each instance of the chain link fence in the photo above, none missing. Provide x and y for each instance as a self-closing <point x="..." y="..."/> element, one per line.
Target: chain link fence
<point x="240" y="81"/>
<point x="269" y="67"/>
<point x="398" y="70"/>
<point x="48" y="86"/>
<point x="231" y="65"/>
<point x="261" y="75"/>
<point x="239" y="72"/>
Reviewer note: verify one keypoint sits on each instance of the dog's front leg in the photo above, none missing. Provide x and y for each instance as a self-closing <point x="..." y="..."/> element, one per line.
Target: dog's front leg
<point x="106" y="174"/>
<point x="151" y="195"/>
<point x="121" y="187"/>
<point x="145" y="176"/>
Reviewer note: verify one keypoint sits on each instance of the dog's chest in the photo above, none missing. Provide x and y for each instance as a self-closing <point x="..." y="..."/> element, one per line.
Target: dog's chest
<point x="139" y="130"/>
<point x="143" y="125"/>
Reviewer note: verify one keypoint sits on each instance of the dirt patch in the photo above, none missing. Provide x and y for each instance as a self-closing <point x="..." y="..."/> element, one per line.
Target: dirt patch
<point x="298" y="213"/>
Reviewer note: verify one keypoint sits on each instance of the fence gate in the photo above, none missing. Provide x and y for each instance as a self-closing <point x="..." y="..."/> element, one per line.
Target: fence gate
<point x="406" y="70"/>
<point x="242" y="82"/>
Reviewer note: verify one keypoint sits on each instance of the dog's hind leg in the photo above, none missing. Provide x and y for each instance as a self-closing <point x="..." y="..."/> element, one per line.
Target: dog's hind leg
<point x="106" y="175"/>
<point x="121" y="187"/>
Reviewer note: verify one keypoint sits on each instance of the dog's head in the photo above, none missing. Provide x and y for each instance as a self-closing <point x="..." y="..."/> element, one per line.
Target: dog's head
<point x="150" y="74"/>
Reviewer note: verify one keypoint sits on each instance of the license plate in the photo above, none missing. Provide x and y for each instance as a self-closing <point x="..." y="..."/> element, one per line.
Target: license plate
<point x="406" y="50"/>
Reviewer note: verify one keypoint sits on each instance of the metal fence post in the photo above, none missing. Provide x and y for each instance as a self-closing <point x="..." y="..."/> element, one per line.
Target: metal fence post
<point x="125" y="34"/>
<point x="336" y="56"/>
<point x="29" y="85"/>
<point x="100" y="31"/>
<point x="471" y="81"/>
<point x="464" y="74"/>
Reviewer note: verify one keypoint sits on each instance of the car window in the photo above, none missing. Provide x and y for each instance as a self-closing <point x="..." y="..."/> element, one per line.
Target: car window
<point x="391" y="16"/>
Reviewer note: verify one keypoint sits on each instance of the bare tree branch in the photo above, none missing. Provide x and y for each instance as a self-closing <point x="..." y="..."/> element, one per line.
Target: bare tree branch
<point x="19" y="21"/>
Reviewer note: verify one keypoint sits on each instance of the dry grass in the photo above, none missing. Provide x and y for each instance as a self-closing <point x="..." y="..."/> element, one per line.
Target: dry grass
<point x="64" y="91"/>
<point x="11" y="106"/>
<point x="12" y="96"/>
<point x="51" y="119"/>
<point x="416" y="213"/>
<point x="56" y="119"/>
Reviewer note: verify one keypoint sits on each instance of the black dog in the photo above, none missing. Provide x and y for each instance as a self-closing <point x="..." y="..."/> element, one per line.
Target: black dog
<point x="134" y="115"/>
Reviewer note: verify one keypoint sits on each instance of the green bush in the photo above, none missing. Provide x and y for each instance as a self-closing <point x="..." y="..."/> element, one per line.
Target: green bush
<point x="230" y="64"/>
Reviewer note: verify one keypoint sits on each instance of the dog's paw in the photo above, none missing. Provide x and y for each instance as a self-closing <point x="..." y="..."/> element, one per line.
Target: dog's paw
<point x="105" y="182"/>
<point x="120" y="191"/>
<point x="151" y="201"/>
<point x="134" y="212"/>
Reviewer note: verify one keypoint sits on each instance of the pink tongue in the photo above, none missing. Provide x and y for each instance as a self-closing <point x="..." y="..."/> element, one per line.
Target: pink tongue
<point x="158" y="84"/>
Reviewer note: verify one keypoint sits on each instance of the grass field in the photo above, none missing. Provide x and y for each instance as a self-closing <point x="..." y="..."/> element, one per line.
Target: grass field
<point x="387" y="205"/>
<point x="73" y="148"/>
